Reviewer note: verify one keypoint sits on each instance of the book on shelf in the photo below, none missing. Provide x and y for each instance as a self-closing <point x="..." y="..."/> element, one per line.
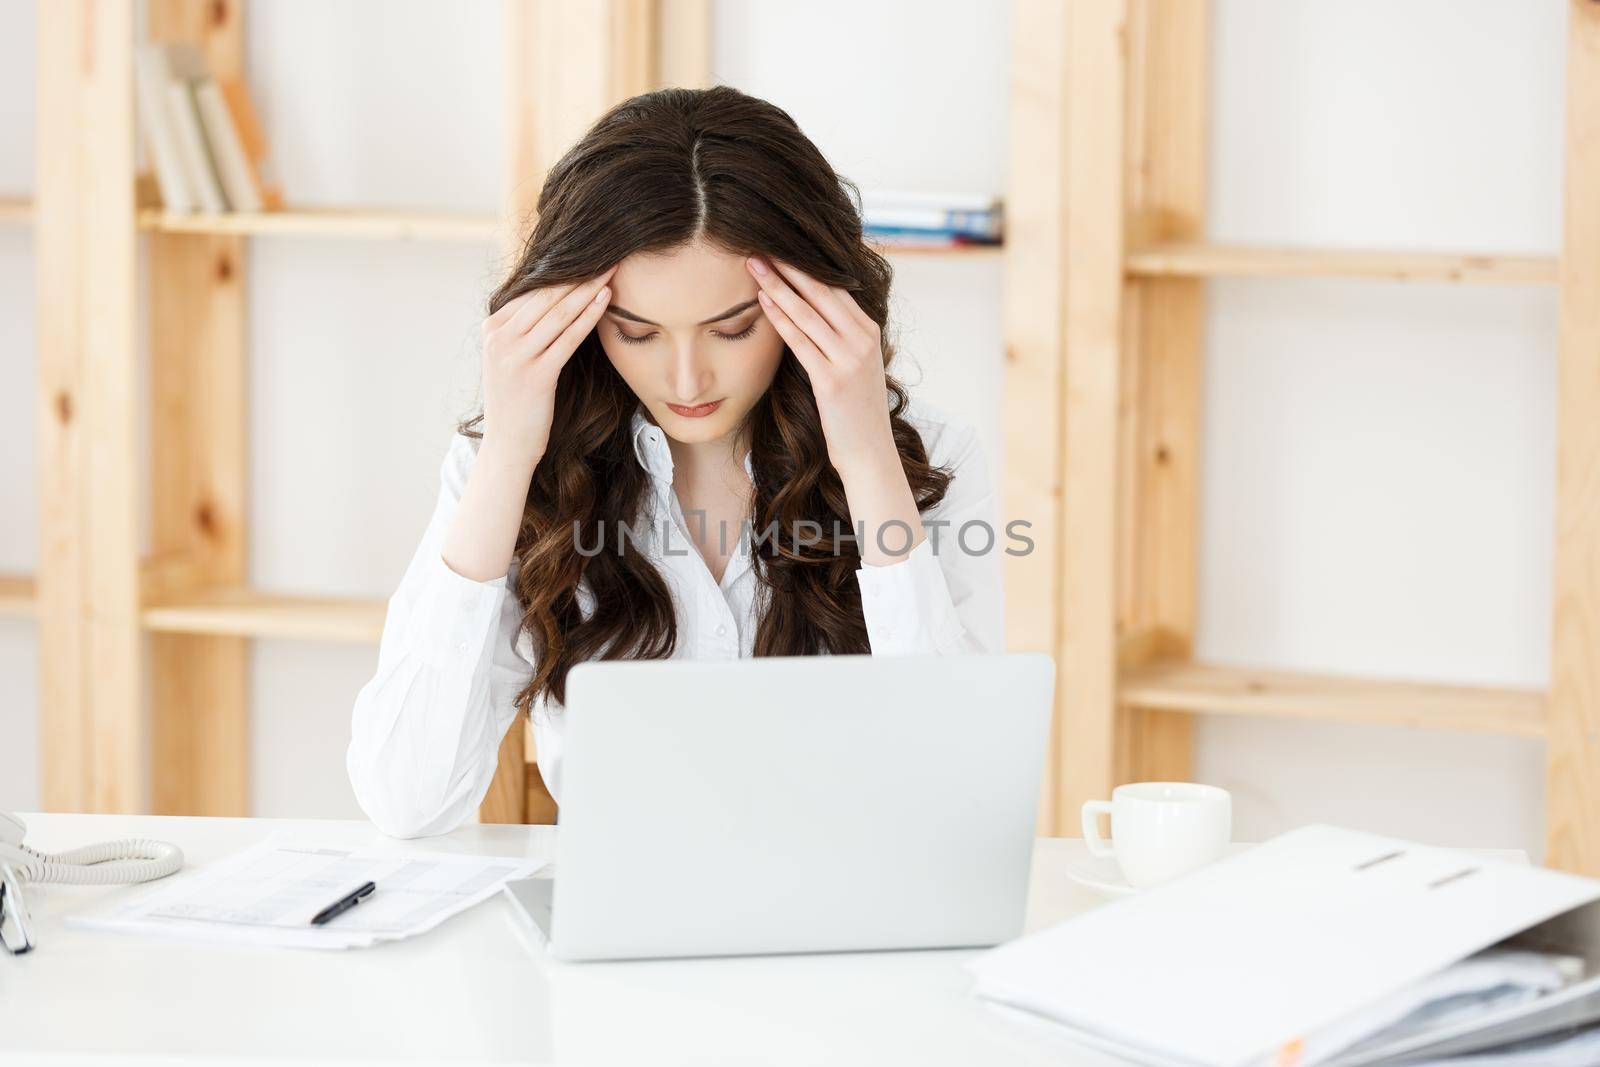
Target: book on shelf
<point x="185" y="63"/>
<point x="909" y="237"/>
<point x="204" y="137"/>
<point x="254" y="142"/>
<point x="227" y="148"/>
<point x="152" y="75"/>
<point x="935" y="217"/>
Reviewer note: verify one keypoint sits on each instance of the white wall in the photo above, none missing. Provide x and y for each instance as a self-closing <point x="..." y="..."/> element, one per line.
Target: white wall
<point x="362" y="353"/>
<point x="19" y="515"/>
<point x="1378" y="458"/>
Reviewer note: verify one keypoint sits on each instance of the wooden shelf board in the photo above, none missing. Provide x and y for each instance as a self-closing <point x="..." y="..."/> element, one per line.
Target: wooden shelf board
<point x="15" y="210"/>
<point x="394" y="225"/>
<point x="329" y="222"/>
<point x="1192" y="687"/>
<point x="251" y="613"/>
<point x="890" y="249"/>
<point x="1200" y="260"/>
<point x="17" y="596"/>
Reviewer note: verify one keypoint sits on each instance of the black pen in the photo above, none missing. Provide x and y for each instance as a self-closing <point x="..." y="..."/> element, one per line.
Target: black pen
<point x="344" y="904"/>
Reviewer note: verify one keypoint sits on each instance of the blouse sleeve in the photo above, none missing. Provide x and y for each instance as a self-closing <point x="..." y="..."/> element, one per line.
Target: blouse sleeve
<point x="426" y="729"/>
<point x="946" y="595"/>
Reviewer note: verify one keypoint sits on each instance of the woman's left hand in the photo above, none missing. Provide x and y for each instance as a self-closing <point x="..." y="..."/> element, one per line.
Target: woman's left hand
<point x="841" y="349"/>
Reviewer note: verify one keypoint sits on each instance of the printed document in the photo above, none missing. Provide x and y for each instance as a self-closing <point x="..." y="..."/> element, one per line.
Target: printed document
<point x="267" y="895"/>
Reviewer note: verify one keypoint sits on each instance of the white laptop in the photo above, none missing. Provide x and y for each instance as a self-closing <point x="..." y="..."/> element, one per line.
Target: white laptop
<point x="794" y="804"/>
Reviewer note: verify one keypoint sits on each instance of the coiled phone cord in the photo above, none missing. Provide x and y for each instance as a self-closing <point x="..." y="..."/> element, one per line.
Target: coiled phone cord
<point x="109" y="863"/>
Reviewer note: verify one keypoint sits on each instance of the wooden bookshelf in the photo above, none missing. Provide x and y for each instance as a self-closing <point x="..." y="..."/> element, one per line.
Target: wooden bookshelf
<point x="186" y="596"/>
<point x="18" y="598"/>
<point x="1195" y="687"/>
<point x="1200" y="260"/>
<point x="15" y="211"/>
<point x="1106" y="263"/>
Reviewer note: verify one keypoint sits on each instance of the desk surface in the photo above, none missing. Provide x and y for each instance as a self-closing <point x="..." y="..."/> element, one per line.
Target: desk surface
<point x="480" y="988"/>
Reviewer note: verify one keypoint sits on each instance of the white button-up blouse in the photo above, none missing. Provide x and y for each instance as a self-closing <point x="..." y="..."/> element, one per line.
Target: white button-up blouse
<point x="426" y="729"/>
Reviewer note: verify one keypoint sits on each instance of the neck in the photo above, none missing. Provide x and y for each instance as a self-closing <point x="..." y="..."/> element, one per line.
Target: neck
<point x="707" y="462"/>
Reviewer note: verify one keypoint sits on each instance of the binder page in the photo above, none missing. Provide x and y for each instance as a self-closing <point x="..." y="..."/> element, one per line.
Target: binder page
<point x="1254" y="955"/>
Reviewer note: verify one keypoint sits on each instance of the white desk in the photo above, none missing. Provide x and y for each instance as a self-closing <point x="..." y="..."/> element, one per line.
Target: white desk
<point x="478" y="988"/>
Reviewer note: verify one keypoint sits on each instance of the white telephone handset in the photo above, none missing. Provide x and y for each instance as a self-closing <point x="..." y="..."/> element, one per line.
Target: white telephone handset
<point x="112" y="863"/>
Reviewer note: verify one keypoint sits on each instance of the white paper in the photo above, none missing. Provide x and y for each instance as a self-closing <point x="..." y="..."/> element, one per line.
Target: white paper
<point x="267" y="895"/>
<point x="1579" y="1049"/>
<point x="1465" y="995"/>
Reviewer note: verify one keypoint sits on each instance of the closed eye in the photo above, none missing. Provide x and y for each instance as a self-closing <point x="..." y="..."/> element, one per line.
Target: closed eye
<point x="740" y="336"/>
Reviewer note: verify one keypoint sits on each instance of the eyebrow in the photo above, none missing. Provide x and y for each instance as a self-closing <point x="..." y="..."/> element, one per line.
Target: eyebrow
<point x="623" y="313"/>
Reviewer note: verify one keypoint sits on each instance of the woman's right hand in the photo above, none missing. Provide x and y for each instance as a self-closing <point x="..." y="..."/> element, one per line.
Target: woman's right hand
<point x="525" y="345"/>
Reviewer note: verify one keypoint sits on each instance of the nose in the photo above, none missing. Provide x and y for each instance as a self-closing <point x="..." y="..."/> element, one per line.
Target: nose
<point x="689" y="377"/>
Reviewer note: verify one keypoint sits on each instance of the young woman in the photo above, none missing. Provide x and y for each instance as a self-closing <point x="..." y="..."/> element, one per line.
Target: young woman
<point x="689" y="447"/>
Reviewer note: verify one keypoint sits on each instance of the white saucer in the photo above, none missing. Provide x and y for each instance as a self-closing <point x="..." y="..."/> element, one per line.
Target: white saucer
<point x="1104" y="876"/>
<point x="1101" y="875"/>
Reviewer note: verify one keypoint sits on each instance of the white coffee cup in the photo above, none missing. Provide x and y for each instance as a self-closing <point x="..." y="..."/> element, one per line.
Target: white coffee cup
<point x="1160" y="830"/>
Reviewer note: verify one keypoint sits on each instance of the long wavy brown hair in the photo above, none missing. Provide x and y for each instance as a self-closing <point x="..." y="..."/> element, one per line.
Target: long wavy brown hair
<point x="654" y="173"/>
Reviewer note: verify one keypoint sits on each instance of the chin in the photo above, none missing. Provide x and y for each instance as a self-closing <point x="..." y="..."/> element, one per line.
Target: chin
<point x="697" y="431"/>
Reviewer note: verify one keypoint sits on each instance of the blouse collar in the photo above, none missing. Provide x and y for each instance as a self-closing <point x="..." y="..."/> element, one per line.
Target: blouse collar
<point x="651" y="449"/>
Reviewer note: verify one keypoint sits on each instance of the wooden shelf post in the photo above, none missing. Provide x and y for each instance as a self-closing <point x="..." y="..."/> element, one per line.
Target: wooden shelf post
<point x="1064" y="322"/>
<point x="1103" y="372"/>
<point x="102" y="752"/>
<point x="91" y="730"/>
<point x="199" y="715"/>
<point x="1572" y="809"/>
<point x="1164" y="176"/>
<point x="1034" y="322"/>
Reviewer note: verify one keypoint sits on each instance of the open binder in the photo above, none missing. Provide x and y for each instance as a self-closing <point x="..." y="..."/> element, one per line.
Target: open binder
<point x="1320" y="948"/>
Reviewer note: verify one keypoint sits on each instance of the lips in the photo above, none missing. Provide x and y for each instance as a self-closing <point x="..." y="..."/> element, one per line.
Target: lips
<point x="698" y="411"/>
